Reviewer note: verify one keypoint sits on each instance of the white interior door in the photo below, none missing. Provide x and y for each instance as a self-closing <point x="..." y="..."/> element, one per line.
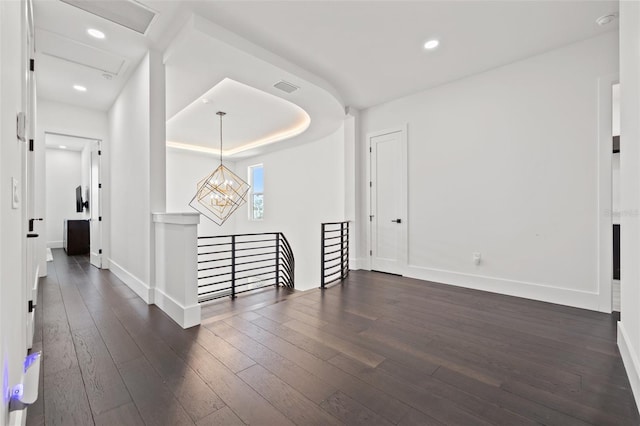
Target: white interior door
<point x="95" y="201"/>
<point x="388" y="202"/>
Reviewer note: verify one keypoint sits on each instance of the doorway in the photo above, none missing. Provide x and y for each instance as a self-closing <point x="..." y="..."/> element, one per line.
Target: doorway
<point x="388" y="201"/>
<point x="74" y="195"/>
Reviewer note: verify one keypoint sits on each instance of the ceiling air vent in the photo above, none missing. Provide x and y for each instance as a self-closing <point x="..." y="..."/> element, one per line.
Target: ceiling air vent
<point x="285" y="86"/>
<point x="127" y="13"/>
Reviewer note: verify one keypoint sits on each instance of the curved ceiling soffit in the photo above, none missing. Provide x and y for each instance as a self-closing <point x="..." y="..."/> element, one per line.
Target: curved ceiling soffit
<point x="254" y="119"/>
<point x="205" y="54"/>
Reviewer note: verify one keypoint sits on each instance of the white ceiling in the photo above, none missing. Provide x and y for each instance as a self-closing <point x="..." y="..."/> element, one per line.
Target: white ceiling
<point x="349" y="53"/>
<point x="371" y="51"/>
<point x="70" y="143"/>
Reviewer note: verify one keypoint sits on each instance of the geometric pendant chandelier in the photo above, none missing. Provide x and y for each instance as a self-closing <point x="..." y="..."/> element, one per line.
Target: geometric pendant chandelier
<point x="221" y="193"/>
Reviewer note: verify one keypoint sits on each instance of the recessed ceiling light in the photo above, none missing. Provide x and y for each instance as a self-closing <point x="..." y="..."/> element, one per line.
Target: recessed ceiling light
<point x="63" y="147"/>
<point x="431" y="44"/>
<point x="79" y="88"/>
<point x="95" y="33"/>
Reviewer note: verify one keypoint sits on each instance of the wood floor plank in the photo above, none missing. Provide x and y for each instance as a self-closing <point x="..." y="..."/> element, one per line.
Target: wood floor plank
<point x="444" y="403"/>
<point x="381" y="403"/>
<point x="223" y="417"/>
<point x="304" y="342"/>
<point x="155" y="402"/>
<point x="287" y="400"/>
<point x="240" y="397"/>
<point x="313" y="387"/>
<point x="351" y="412"/>
<point x="188" y="388"/>
<point x="65" y="399"/>
<point x="366" y="356"/>
<point x="124" y="415"/>
<point x="102" y="381"/>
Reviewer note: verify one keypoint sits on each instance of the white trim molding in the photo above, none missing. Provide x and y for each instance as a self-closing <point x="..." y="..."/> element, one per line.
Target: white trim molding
<point x="527" y="290"/>
<point x="630" y="360"/>
<point x="134" y="283"/>
<point x="185" y="316"/>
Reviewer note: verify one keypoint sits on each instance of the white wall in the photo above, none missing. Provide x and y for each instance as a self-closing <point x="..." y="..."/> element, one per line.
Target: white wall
<point x="137" y="174"/>
<point x="63" y="176"/>
<point x="303" y="187"/>
<point x="13" y="294"/>
<point x="629" y="325"/>
<point x="184" y="170"/>
<point x="505" y="163"/>
<point x="59" y="118"/>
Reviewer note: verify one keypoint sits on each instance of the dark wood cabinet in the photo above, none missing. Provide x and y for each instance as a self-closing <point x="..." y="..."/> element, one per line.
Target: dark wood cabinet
<point x="76" y="237"/>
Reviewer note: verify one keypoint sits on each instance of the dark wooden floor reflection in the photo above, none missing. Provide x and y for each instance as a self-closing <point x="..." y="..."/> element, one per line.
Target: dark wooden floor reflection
<point x="377" y="350"/>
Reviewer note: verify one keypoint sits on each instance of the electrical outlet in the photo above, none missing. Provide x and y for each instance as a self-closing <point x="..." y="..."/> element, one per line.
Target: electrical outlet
<point x="477" y="257"/>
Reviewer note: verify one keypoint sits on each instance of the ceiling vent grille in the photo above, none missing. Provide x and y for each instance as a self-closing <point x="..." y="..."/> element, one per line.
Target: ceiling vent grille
<point x="285" y="86"/>
<point x="127" y="13"/>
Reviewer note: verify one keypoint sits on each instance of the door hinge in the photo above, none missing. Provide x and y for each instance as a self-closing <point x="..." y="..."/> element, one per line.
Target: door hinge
<point x="99" y="186"/>
<point x="370" y="252"/>
<point x="30" y="306"/>
<point x="370" y="184"/>
<point x="31" y="145"/>
<point x="99" y="218"/>
<point x="100" y="251"/>
<point x="370" y="150"/>
<point x="32" y="64"/>
<point x="99" y="152"/>
<point x="370" y="218"/>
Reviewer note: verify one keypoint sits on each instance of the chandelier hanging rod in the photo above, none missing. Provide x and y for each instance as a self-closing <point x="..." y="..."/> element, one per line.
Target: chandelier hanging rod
<point x="221" y="114"/>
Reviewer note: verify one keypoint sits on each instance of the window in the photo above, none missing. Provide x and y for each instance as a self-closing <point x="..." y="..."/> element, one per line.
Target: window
<point x="256" y="193"/>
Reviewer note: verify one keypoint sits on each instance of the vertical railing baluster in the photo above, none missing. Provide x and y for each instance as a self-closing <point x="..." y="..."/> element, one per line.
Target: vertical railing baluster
<point x="322" y="256"/>
<point x="233" y="267"/>
<point x="277" y="259"/>
<point x="342" y="250"/>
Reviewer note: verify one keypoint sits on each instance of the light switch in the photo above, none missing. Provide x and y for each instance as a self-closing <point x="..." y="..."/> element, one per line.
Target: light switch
<point x="15" y="194"/>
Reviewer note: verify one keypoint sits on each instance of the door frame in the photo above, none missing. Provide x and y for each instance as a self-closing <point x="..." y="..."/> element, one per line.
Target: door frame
<point x="403" y="259"/>
<point x="95" y="258"/>
<point x="98" y="141"/>
<point x="605" y="193"/>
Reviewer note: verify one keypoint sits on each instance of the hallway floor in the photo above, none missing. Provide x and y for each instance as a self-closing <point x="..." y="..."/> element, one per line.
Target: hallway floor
<point x="378" y="349"/>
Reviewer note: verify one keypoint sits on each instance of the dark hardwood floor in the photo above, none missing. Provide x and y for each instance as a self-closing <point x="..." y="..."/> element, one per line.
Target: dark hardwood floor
<point x="378" y="349"/>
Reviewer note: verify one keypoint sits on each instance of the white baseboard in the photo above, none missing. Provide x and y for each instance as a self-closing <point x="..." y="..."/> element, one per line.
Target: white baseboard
<point x="54" y="244"/>
<point x="527" y="290"/>
<point x="133" y="282"/>
<point x="357" y="263"/>
<point x="630" y="360"/>
<point x="185" y="316"/>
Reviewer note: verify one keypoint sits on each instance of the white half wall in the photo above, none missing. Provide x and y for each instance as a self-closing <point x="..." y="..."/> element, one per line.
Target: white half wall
<point x="63" y="176"/>
<point x="505" y="163"/>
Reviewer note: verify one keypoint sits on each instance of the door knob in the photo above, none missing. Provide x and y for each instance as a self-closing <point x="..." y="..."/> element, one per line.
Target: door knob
<point x="396" y="220"/>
